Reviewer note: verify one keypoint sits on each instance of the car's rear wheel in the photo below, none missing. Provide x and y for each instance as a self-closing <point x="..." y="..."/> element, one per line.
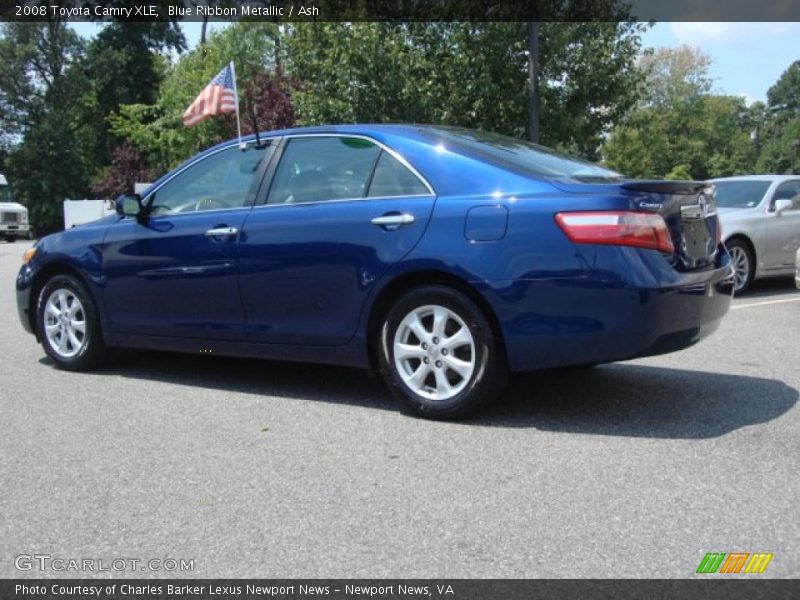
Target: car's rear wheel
<point x="68" y="324"/>
<point x="438" y="354"/>
<point x="743" y="265"/>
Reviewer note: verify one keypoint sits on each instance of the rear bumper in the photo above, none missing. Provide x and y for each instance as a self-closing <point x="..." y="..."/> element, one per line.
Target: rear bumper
<point x="631" y="305"/>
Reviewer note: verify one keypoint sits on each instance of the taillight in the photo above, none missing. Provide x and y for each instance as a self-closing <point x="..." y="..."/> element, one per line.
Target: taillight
<point x="617" y="228"/>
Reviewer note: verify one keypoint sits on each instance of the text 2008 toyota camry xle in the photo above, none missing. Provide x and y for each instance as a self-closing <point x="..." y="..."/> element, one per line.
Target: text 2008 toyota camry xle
<point x="444" y="257"/>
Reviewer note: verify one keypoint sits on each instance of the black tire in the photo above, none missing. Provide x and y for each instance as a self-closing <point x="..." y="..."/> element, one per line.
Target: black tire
<point x="92" y="349"/>
<point x="739" y="246"/>
<point x="489" y="373"/>
<point x="11" y="239"/>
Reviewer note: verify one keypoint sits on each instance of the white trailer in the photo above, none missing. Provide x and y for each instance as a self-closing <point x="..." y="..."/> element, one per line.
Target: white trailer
<point x="77" y="212"/>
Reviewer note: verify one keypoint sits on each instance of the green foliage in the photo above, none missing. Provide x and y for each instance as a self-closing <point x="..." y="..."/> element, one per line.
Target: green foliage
<point x="679" y="130"/>
<point x="467" y="74"/>
<point x="157" y="130"/>
<point x="679" y="172"/>
<point x="674" y="75"/>
<point x="37" y="93"/>
<point x="122" y="65"/>
<point x="786" y="91"/>
<point x="779" y="125"/>
<point x="44" y="170"/>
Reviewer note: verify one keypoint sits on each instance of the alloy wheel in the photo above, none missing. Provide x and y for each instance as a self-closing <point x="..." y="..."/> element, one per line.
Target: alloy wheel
<point x="741" y="267"/>
<point x="434" y="352"/>
<point x="65" y="323"/>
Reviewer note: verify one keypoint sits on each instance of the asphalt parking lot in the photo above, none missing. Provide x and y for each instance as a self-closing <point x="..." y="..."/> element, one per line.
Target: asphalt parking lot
<point x="264" y="469"/>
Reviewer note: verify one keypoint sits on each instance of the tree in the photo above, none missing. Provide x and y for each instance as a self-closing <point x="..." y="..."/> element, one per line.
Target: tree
<point x="674" y="75"/>
<point x="45" y="170"/>
<point x="779" y="124"/>
<point x="37" y="96"/>
<point x="122" y="65"/>
<point x="678" y="128"/>
<point x="156" y="129"/>
<point x="32" y="73"/>
<point x="786" y="91"/>
<point x="468" y="74"/>
<point x="127" y="168"/>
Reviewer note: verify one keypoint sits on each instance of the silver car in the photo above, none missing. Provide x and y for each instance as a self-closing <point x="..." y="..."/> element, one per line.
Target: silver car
<point x="760" y="217"/>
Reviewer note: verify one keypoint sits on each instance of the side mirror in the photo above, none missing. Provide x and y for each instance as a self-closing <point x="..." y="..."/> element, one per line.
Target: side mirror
<point x="781" y="206"/>
<point x="129" y="205"/>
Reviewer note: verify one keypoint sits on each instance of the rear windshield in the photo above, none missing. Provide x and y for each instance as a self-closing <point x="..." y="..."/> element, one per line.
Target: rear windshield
<point x="740" y="194"/>
<point x="521" y="156"/>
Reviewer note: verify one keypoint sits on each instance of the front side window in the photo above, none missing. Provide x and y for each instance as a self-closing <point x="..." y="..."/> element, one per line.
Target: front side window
<point x="788" y="191"/>
<point x="222" y="180"/>
<point x="316" y="169"/>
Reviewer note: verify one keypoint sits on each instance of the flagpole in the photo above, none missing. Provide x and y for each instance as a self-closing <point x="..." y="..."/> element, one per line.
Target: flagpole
<point x="235" y="91"/>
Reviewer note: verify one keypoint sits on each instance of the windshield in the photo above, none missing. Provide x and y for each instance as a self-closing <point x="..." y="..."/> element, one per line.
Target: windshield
<point x="522" y="156"/>
<point x="5" y="193"/>
<point x="740" y="194"/>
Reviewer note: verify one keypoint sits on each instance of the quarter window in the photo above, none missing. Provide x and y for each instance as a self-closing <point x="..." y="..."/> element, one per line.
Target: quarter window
<point x="317" y="169"/>
<point x="393" y="178"/>
<point x="222" y="180"/>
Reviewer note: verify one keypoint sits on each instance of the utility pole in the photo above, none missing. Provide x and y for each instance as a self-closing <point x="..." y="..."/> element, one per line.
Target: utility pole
<point x="533" y="72"/>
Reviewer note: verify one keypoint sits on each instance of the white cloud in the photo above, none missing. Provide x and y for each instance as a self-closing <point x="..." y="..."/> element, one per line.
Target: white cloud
<point x="699" y="33"/>
<point x="748" y="98"/>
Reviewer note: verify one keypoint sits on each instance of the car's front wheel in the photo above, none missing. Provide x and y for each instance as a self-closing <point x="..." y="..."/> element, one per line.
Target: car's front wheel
<point x="438" y="354"/>
<point x="68" y="324"/>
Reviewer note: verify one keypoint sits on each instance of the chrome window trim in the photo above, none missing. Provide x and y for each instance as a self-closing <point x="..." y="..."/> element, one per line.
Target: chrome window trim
<point x="194" y="212"/>
<point x="358" y="199"/>
<point x="276" y="139"/>
<point x="394" y="154"/>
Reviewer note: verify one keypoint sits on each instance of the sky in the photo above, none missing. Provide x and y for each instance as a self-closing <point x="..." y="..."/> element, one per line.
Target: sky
<point x="747" y="58"/>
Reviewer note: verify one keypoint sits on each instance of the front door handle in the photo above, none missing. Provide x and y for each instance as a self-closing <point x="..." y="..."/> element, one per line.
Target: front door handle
<point x="393" y="221"/>
<point x="222" y="232"/>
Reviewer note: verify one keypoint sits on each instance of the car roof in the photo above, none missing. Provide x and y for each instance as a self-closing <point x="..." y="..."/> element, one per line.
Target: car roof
<point x="757" y="178"/>
<point x="409" y="130"/>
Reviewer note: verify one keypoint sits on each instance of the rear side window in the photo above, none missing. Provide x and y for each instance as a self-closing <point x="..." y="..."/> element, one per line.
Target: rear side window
<point x="519" y="156"/>
<point x="317" y="169"/>
<point x="393" y="178"/>
<point x="740" y="194"/>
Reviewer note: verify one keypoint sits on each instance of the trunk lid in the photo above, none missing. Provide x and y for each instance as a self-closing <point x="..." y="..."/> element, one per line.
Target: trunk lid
<point x="687" y="207"/>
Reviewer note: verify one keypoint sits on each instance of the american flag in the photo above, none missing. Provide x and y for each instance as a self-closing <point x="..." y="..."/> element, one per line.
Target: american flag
<point x="218" y="97"/>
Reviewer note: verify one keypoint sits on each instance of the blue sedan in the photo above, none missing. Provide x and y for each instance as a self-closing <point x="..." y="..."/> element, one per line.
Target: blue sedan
<point x="443" y="257"/>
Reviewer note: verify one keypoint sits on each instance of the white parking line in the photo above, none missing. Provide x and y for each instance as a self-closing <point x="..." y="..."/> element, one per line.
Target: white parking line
<point x="765" y="303"/>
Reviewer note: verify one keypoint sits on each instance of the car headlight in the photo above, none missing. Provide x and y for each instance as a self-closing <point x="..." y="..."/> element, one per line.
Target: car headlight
<point x="26" y="258"/>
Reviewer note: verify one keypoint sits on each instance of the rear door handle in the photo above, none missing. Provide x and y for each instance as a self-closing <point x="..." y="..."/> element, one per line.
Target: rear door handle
<point x="222" y="232"/>
<point x="393" y="221"/>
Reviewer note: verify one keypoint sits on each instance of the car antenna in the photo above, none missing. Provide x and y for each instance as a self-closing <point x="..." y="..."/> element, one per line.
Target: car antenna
<point x="253" y="114"/>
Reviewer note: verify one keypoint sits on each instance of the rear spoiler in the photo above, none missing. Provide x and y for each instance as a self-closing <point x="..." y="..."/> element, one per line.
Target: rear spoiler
<point x="660" y="186"/>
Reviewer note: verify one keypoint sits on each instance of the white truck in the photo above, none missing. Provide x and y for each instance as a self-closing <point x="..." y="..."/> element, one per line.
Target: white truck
<point x="77" y="212"/>
<point x="13" y="216"/>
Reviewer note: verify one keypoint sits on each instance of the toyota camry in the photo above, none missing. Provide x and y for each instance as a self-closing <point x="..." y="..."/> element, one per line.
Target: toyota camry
<point x="445" y="258"/>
